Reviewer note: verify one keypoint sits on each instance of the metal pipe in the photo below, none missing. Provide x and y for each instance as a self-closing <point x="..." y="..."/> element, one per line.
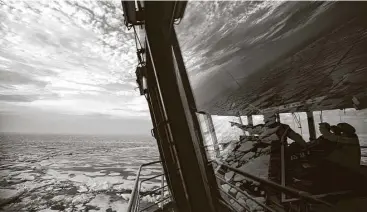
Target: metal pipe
<point x="311" y="125"/>
<point x="250" y="121"/>
<point x="137" y="205"/>
<point x="247" y="195"/>
<point x="269" y="183"/>
<point x="162" y="185"/>
<point x="152" y="191"/>
<point x="133" y="199"/>
<point x="240" y="119"/>
<point x="150" y="178"/>
<point x="282" y="155"/>
<point x="139" y="187"/>
<point x="213" y="135"/>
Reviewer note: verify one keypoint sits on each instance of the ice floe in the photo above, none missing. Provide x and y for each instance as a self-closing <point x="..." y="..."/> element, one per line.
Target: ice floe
<point x="48" y="176"/>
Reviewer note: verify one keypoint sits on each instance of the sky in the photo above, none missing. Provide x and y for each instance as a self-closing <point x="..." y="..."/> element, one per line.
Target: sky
<point x="68" y="67"/>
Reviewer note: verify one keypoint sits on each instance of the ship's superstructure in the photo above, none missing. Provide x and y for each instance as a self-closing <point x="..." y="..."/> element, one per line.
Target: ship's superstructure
<point x="216" y="177"/>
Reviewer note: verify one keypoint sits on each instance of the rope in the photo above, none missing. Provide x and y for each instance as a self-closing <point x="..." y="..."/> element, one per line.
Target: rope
<point x="137" y="38"/>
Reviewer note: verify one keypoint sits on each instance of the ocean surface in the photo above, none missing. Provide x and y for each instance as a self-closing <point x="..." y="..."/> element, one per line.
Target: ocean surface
<point x="75" y="173"/>
<point x="71" y="173"/>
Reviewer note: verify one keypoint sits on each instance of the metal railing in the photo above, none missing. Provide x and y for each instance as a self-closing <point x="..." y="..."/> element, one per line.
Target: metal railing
<point x="246" y="195"/>
<point x="136" y="196"/>
<point x="134" y="202"/>
<point x="290" y="191"/>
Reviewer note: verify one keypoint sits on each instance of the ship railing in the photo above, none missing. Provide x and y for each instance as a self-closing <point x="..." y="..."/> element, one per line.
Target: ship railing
<point x="137" y="195"/>
<point x="287" y="190"/>
<point x="212" y="156"/>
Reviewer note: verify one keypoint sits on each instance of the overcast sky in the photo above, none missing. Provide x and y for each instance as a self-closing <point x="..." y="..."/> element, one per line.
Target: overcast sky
<point x="68" y="67"/>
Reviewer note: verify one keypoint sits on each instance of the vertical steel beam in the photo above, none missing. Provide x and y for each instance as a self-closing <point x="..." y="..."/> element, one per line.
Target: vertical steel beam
<point x="277" y="117"/>
<point x="179" y="106"/>
<point x="250" y="121"/>
<point x="311" y="125"/>
<point x="162" y="136"/>
<point x="208" y="174"/>
<point x="240" y="119"/>
<point x="209" y="121"/>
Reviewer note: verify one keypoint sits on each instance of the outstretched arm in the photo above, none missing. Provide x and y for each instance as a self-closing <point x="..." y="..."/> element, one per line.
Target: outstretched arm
<point x="257" y="129"/>
<point x="296" y="137"/>
<point x="241" y="126"/>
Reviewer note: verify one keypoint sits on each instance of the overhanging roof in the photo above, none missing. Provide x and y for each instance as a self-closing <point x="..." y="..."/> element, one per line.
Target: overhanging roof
<point x="331" y="66"/>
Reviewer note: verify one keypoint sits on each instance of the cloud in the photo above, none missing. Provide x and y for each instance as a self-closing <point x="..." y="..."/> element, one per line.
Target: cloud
<point x="14" y="78"/>
<point x="73" y="57"/>
<point x="32" y="121"/>
<point x="18" y="98"/>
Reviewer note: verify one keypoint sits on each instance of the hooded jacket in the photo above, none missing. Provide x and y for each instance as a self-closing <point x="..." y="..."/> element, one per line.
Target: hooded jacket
<point x="348" y="151"/>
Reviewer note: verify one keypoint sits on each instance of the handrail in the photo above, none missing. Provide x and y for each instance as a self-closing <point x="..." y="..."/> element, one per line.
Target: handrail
<point x="154" y="190"/>
<point x="269" y="183"/>
<point x="135" y="191"/>
<point x="150" y="178"/>
<point x="144" y="180"/>
<point x="247" y="195"/>
<point x="163" y="199"/>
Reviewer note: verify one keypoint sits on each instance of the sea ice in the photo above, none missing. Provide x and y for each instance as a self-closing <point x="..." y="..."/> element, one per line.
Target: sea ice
<point x="94" y="174"/>
<point x="125" y="196"/>
<point x="82" y="199"/>
<point x="119" y="206"/>
<point x="114" y="174"/>
<point x="82" y="189"/>
<point x="130" y="177"/>
<point x="46" y="210"/>
<point x="101" y="201"/>
<point x="5" y="172"/>
<point x="62" y="198"/>
<point x="25" y="176"/>
<point x="8" y="195"/>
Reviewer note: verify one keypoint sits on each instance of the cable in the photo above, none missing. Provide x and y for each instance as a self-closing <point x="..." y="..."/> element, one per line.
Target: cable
<point x="298" y="121"/>
<point x="137" y="38"/>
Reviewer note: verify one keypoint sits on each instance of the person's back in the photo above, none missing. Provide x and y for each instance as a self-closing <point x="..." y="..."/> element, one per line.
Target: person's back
<point x="322" y="147"/>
